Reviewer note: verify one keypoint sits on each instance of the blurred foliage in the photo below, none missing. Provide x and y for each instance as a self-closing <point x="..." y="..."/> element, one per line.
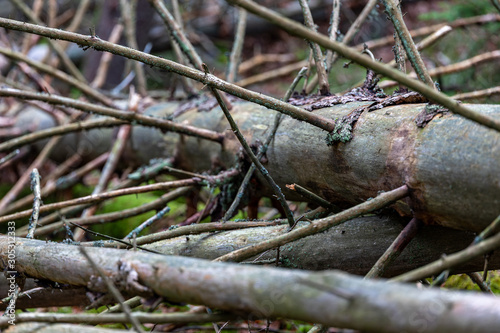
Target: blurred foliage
<point x="462" y="44"/>
<point x="452" y="10"/>
<point x="463" y="282"/>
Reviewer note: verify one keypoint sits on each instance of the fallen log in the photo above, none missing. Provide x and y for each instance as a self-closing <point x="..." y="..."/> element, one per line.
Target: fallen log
<point x="353" y="247"/>
<point x="450" y="165"/>
<point x="331" y="298"/>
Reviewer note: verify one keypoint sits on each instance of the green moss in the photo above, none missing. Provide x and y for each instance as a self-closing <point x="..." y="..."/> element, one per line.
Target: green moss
<point x="341" y="133"/>
<point x="463" y="282"/>
<point x="121" y="228"/>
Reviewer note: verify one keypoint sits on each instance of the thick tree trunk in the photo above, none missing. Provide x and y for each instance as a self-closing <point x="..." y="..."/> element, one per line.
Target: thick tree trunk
<point x="451" y="165"/>
<point x="331" y="298"/>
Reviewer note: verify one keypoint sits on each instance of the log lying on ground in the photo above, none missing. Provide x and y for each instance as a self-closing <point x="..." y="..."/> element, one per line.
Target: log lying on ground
<point x="59" y="328"/>
<point x="331" y="298"/>
<point x="353" y="247"/>
<point x="451" y="165"/>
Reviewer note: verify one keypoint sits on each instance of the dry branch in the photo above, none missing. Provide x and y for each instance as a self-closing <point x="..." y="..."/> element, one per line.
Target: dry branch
<point x="330" y="298"/>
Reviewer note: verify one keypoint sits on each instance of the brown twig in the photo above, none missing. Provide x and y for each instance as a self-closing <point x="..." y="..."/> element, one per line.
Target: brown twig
<point x="427" y="91"/>
<point x="105" y="61"/>
<point x="120" y="114"/>
<point x="57" y="49"/>
<point x="127" y="16"/>
<point x="14" y="191"/>
<point x="478" y="94"/>
<point x="111" y="217"/>
<point x="317" y="226"/>
<point x="224" y="176"/>
<point x="324" y="86"/>
<point x="393" y="252"/>
<point x="457" y="67"/>
<point x="235" y="57"/>
<point x="207" y="79"/>
<point x="393" y="10"/>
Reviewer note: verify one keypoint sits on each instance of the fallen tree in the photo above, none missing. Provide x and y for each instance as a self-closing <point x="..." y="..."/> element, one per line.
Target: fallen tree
<point x="453" y="185"/>
<point x="359" y="153"/>
<point x="331" y="298"/>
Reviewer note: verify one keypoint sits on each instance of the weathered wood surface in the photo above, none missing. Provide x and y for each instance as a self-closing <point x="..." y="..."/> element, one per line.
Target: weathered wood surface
<point x="451" y="165"/>
<point x="353" y="247"/>
<point x="331" y="298"/>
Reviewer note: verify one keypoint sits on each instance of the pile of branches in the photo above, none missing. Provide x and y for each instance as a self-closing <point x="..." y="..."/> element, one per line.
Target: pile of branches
<point x="380" y="174"/>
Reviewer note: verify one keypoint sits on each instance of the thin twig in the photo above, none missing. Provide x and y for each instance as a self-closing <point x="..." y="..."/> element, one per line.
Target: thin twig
<point x="393" y="252"/>
<point x="127" y="14"/>
<point x="207" y="79"/>
<point x="194" y="229"/>
<point x="148" y="222"/>
<point x="49" y="184"/>
<point x="115" y="154"/>
<point x="78" y="16"/>
<point x="426" y="42"/>
<point x="313" y="197"/>
<point x="496" y="4"/>
<point x="324" y="86"/>
<point x="187" y="84"/>
<point x="9" y="156"/>
<point x="393" y="10"/>
<point x="62" y="183"/>
<point x="263" y="149"/>
<point x="180" y="37"/>
<point x="353" y="30"/>
<point x="73" y="210"/>
<point x="57" y="49"/>
<point x="477" y="279"/>
<point x="478" y="94"/>
<point x="482" y="247"/>
<point x="114" y="291"/>
<point x="457" y="67"/>
<point x="427" y="91"/>
<point x="177" y="33"/>
<point x="318" y="226"/>
<point x="272" y="74"/>
<point x="333" y="28"/>
<point x="105" y="61"/>
<point x="42" y="156"/>
<point x="120" y="114"/>
<point x="427" y="30"/>
<point x="276" y="189"/>
<point x="114" y="216"/>
<point x="222" y="177"/>
<point x="235" y="57"/>
<point x="117" y="240"/>
<point x="489" y="231"/>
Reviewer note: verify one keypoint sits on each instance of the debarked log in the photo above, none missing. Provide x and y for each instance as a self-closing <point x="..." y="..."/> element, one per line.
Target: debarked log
<point x="451" y="165"/>
<point x="331" y="298"/>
